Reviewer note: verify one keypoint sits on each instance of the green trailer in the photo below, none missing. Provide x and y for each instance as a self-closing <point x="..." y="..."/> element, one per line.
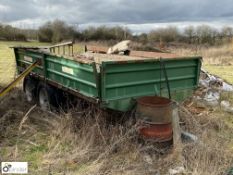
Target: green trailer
<point x="111" y="81"/>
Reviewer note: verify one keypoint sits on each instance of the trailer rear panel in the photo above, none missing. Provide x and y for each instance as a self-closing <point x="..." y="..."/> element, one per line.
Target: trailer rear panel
<point x="122" y="82"/>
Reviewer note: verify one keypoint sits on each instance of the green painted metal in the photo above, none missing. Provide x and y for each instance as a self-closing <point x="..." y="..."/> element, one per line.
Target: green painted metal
<point x="115" y="85"/>
<point x="121" y="83"/>
<point x="65" y="72"/>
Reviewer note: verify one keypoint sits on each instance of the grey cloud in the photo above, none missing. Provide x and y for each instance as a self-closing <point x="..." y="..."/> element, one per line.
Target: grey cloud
<point x="17" y="10"/>
<point x="117" y="11"/>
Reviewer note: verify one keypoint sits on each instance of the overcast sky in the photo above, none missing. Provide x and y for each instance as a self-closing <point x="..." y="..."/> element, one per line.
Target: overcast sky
<point x="138" y="15"/>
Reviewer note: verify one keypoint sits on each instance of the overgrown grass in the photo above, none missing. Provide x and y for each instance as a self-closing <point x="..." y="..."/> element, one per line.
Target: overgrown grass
<point x="83" y="142"/>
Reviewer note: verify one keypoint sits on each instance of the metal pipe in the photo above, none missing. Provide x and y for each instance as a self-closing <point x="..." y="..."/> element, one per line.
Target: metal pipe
<point x="20" y="77"/>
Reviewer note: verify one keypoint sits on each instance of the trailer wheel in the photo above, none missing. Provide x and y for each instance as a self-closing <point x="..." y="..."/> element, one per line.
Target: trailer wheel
<point x="29" y="89"/>
<point x="44" y="98"/>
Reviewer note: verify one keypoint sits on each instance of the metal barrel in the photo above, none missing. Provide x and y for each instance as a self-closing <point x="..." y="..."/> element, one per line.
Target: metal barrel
<point x="155" y="114"/>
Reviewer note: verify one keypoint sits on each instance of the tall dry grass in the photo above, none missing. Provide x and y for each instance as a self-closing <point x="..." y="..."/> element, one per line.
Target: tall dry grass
<point x="212" y="154"/>
<point x="217" y="55"/>
<point x="84" y="141"/>
<point x="87" y="140"/>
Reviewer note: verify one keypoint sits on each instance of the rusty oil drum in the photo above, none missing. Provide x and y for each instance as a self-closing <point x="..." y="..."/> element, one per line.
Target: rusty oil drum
<point x="155" y="116"/>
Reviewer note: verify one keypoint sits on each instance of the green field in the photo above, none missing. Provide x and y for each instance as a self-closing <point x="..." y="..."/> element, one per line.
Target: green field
<point x="7" y="61"/>
<point x="225" y="72"/>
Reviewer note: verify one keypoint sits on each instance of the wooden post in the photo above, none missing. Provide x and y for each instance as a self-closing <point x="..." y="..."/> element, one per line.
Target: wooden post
<point x="72" y="50"/>
<point x="176" y="127"/>
<point x="177" y="143"/>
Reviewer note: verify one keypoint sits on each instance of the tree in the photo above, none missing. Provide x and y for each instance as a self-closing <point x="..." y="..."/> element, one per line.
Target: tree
<point x="168" y="34"/>
<point x="206" y="34"/>
<point x="56" y="31"/>
<point x="142" y="38"/>
<point x="45" y="33"/>
<point x="190" y="33"/>
<point x="227" y="33"/>
<point x="106" y="33"/>
<point x="10" y="33"/>
<point x="62" y="31"/>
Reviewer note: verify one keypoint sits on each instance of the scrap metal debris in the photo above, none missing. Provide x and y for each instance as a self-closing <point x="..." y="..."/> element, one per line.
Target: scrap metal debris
<point x="226" y="106"/>
<point x="186" y="136"/>
<point x="212" y="97"/>
<point x="213" y="82"/>
<point x="177" y="170"/>
<point x="209" y="93"/>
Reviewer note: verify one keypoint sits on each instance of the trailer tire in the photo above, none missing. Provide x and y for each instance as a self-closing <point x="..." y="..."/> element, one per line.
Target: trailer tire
<point x="44" y="97"/>
<point x="29" y="87"/>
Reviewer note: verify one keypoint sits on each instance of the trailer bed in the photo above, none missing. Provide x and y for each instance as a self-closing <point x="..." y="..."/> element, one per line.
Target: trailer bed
<point x="113" y="81"/>
<point x="99" y="58"/>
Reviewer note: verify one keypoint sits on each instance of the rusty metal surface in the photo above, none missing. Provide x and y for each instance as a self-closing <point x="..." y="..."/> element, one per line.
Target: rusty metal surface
<point x="96" y="49"/>
<point x="157" y="132"/>
<point x="152" y="54"/>
<point x="154" y="109"/>
<point x="155" y="116"/>
<point x="100" y="58"/>
<point x="134" y="53"/>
